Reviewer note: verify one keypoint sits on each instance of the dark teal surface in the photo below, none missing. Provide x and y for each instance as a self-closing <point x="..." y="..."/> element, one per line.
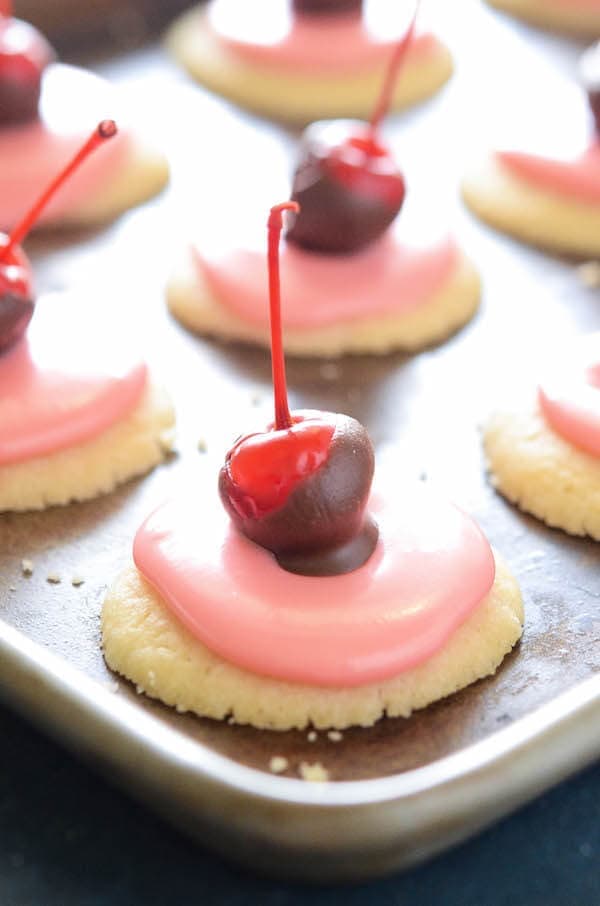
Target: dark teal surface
<point x="69" y="839"/>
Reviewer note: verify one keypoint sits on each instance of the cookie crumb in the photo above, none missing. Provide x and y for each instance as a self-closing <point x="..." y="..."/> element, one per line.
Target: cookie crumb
<point x="313" y="773"/>
<point x="312" y="736"/>
<point x="12" y="588"/>
<point x="112" y="686"/>
<point x="53" y="579"/>
<point x="27" y="567"/>
<point x="278" y="764"/>
<point x="202" y="446"/>
<point x="589" y="274"/>
<point x="231" y="721"/>
<point x="335" y="736"/>
<point x="77" y="580"/>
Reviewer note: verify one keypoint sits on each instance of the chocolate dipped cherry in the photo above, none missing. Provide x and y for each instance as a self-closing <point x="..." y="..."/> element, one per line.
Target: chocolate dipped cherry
<point x="16" y="288"/>
<point x="589" y="69"/>
<point x="300" y="488"/>
<point x="347" y="183"/>
<point x="24" y="55"/>
<point x="326" y="7"/>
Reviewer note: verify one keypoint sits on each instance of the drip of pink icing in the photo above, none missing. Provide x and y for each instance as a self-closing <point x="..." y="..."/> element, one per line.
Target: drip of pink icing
<point x="73" y="101"/>
<point x="318" y="290"/>
<point x="432" y="567"/>
<point x="65" y="383"/>
<point x="577" y="177"/>
<point x="307" y="44"/>
<point x="570" y="397"/>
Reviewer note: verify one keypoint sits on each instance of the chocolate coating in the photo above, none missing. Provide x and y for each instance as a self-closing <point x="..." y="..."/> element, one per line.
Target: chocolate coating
<point x="319" y="7"/>
<point x="340" y="216"/>
<point x="15" y="314"/>
<point x="324" y="513"/>
<point x="589" y="69"/>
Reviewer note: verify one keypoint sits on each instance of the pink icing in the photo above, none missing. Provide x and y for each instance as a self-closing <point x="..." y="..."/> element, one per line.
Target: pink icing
<point x="431" y="569"/>
<point x="570" y="397"/>
<point x="577" y="177"/>
<point x="65" y="383"/>
<point x="307" y="44"/>
<point x="73" y="102"/>
<point x="318" y="290"/>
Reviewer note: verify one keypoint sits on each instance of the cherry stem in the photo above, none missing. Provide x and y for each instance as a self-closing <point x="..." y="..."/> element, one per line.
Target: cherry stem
<point x="283" y="419"/>
<point x="391" y="77"/>
<point x="105" y="130"/>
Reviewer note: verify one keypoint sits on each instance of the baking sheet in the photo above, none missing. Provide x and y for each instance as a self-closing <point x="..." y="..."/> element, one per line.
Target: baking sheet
<point x="423" y="413"/>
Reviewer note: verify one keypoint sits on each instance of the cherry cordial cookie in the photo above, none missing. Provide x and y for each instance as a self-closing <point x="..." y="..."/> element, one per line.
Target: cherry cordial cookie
<point x="45" y="111"/>
<point x="79" y="412"/>
<point x="574" y="17"/>
<point x="544" y="453"/>
<point x="302" y="60"/>
<point x="303" y="596"/>
<point x="355" y="279"/>
<point x="549" y="202"/>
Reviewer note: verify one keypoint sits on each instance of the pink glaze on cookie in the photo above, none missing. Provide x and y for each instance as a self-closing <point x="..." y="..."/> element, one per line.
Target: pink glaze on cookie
<point x="431" y="568"/>
<point x="387" y="278"/>
<point x="348" y="43"/>
<point x="570" y="397"/>
<point x="31" y="154"/>
<point x="577" y="177"/>
<point x="64" y="384"/>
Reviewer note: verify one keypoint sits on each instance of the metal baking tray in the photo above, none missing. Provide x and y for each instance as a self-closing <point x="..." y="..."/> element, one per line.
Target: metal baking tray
<point x="403" y="789"/>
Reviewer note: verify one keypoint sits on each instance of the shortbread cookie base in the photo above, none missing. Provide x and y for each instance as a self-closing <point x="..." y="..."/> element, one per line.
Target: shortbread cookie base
<point x="540" y="218"/>
<point x="131" y="447"/>
<point x="541" y="472"/>
<point x="295" y="98"/>
<point x="555" y="17"/>
<point x="190" y="301"/>
<point x="146" y="643"/>
<point x="144" y="173"/>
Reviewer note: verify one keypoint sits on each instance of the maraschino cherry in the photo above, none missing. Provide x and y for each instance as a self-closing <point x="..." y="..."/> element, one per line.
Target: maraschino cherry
<point x="301" y="487"/>
<point x="16" y="289"/>
<point x="589" y="68"/>
<point x="24" y="55"/>
<point x="326" y="7"/>
<point x="347" y="183"/>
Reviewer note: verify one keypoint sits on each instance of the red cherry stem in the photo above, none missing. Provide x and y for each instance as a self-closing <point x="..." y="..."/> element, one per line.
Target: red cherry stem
<point x="283" y="419"/>
<point x="105" y="130"/>
<point x="391" y="76"/>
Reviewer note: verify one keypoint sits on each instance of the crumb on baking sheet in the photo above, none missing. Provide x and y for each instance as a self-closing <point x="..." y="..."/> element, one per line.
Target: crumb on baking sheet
<point x="202" y="446"/>
<point x="589" y="274"/>
<point x="53" y="579"/>
<point x="335" y="736"/>
<point x="77" y="580"/>
<point x="313" y="773"/>
<point x="27" y="567"/>
<point x="278" y="764"/>
<point x="312" y="736"/>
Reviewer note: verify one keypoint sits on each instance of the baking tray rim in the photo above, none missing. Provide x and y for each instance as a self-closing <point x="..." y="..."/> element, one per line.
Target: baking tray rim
<point x="397" y="820"/>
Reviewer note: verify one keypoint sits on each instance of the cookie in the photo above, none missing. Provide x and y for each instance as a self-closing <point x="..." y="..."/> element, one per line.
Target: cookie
<point x="450" y="307"/>
<point x="143" y="641"/>
<point x="531" y="214"/>
<point x="129" y="448"/>
<point x="542" y="473"/>
<point x="572" y="17"/>
<point x="299" y="97"/>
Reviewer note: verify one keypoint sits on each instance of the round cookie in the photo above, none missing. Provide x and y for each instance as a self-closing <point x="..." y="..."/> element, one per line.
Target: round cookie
<point x="537" y="216"/>
<point x="542" y="473"/>
<point x="143" y="641"/>
<point x="298" y="97"/>
<point x="574" y="17"/>
<point x="128" y="448"/>
<point x="190" y="300"/>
